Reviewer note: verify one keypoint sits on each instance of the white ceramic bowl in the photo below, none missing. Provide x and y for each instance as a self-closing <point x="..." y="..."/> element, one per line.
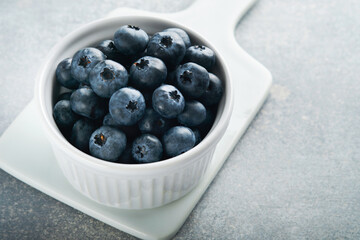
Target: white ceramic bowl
<point x="121" y="185"/>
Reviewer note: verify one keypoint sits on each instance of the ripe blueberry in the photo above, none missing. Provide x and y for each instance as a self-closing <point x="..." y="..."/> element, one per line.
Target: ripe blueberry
<point x="107" y="77"/>
<point x="107" y="143"/>
<point x="127" y="106"/>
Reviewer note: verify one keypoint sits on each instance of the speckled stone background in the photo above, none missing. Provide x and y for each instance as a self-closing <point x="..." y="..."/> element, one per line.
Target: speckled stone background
<point x="296" y="172"/>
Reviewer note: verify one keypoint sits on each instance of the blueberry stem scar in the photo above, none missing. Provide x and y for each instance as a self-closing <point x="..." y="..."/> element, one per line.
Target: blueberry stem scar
<point x="142" y="64"/>
<point x="132" y="106"/>
<point x="175" y="95"/>
<point x="166" y="41"/>
<point x="100" y="139"/>
<point x="186" y="76"/>
<point x="84" y="61"/>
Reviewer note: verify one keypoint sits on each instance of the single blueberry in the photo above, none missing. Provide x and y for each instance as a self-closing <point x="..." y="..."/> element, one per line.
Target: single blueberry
<point x="192" y="79"/>
<point x="197" y="134"/>
<point x="168" y="101"/>
<point x="131" y="132"/>
<point x="83" y="61"/>
<point x="86" y="103"/>
<point x="81" y="132"/>
<point x="127" y="106"/>
<point x="63" y="74"/>
<point x="130" y="40"/>
<point x="126" y="156"/>
<point x="147" y="148"/>
<point x="107" y="143"/>
<point x="153" y="123"/>
<point x="201" y="55"/>
<point x="185" y="37"/>
<point x="110" y="51"/>
<point x="147" y="73"/>
<point x="194" y="114"/>
<point x="168" y="46"/>
<point x="64" y="116"/>
<point x="178" y="140"/>
<point x="207" y="124"/>
<point x="213" y="92"/>
<point x="107" y="77"/>
<point x="64" y="96"/>
<point x="108" y="120"/>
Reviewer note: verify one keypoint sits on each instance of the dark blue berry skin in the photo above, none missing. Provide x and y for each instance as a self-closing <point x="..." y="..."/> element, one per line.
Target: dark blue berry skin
<point x="185" y="37"/>
<point x="194" y="114"/>
<point x="64" y="96"/>
<point x="64" y="116"/>
<point x="213" y="92"/>
<point x="81" y="132"/>
<point x="178" y="140"/>
<point x="201" y="55"/>
<point x="168" y="101"/>
<point x="126" y="156"/>
<point x="107" y="143"/>
<point x="107" y="77"/>
<point x="192" y="79"/>
<point x="168" y="46"/>
<point x="63" y="74"/>
<point x="147" y="73"/>
<point x="171" y="78"/>
<point x="110" y="51"/>
<point x="127" y="106"/>
<point x="109" y="121"/>
<point x="83" y="61"/>
<point x="86" y="103"/>
<point x="197" y="134"/>
<point x="131" y="132"/>
<point x="130" y="40"/>
<point x="207" y="124"/>
<point x="147" y="148"/>
<point x="153" y="123"/>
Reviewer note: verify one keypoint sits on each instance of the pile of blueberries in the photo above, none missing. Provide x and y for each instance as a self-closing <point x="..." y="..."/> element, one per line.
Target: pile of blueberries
<point x="138" y="99"/>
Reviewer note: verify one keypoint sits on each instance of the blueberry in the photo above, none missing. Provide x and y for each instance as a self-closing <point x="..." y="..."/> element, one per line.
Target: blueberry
<point x="147" y="148"/>
<point x="64" y="116"/>
<point x="207" y="124"/>
<point x="127" y="106"/>
<point x="131" y="132"/>
<point x="197" y="134"/>
<point x="153" y="123"/>
<point x="194" y="114"/>
<point x="107" y="143"/>
<point x="110" y="51"/>
<point x="168" y="46"/>
<point x="86" y="103"/>
<point x="185" y="37"/>
<point x="83" y="61"/>
<point x="147" y="73"/>
<point x="130" y="40"/>
<point x="64" y="96"/>
<point x="63" y="74"/>
<point x="109" y="121"/>
<point x="168" y="101"/>
<point x="213" y="92"/>
<point x="171" y="78"/>
<point x="81" y="132"/>
<point x="126" y="156"/>
<point x="201" y="55"/>
<point x="107" y="77"/>
<point x="178" y="140"/>
<point x="192" y="79"/>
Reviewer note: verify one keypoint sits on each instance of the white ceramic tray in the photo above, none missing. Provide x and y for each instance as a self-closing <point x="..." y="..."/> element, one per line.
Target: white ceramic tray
<point x="26" y="154"/>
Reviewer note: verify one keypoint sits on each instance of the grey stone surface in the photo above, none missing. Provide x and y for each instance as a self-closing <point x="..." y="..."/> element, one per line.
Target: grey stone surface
<point x="296" y="172"/>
